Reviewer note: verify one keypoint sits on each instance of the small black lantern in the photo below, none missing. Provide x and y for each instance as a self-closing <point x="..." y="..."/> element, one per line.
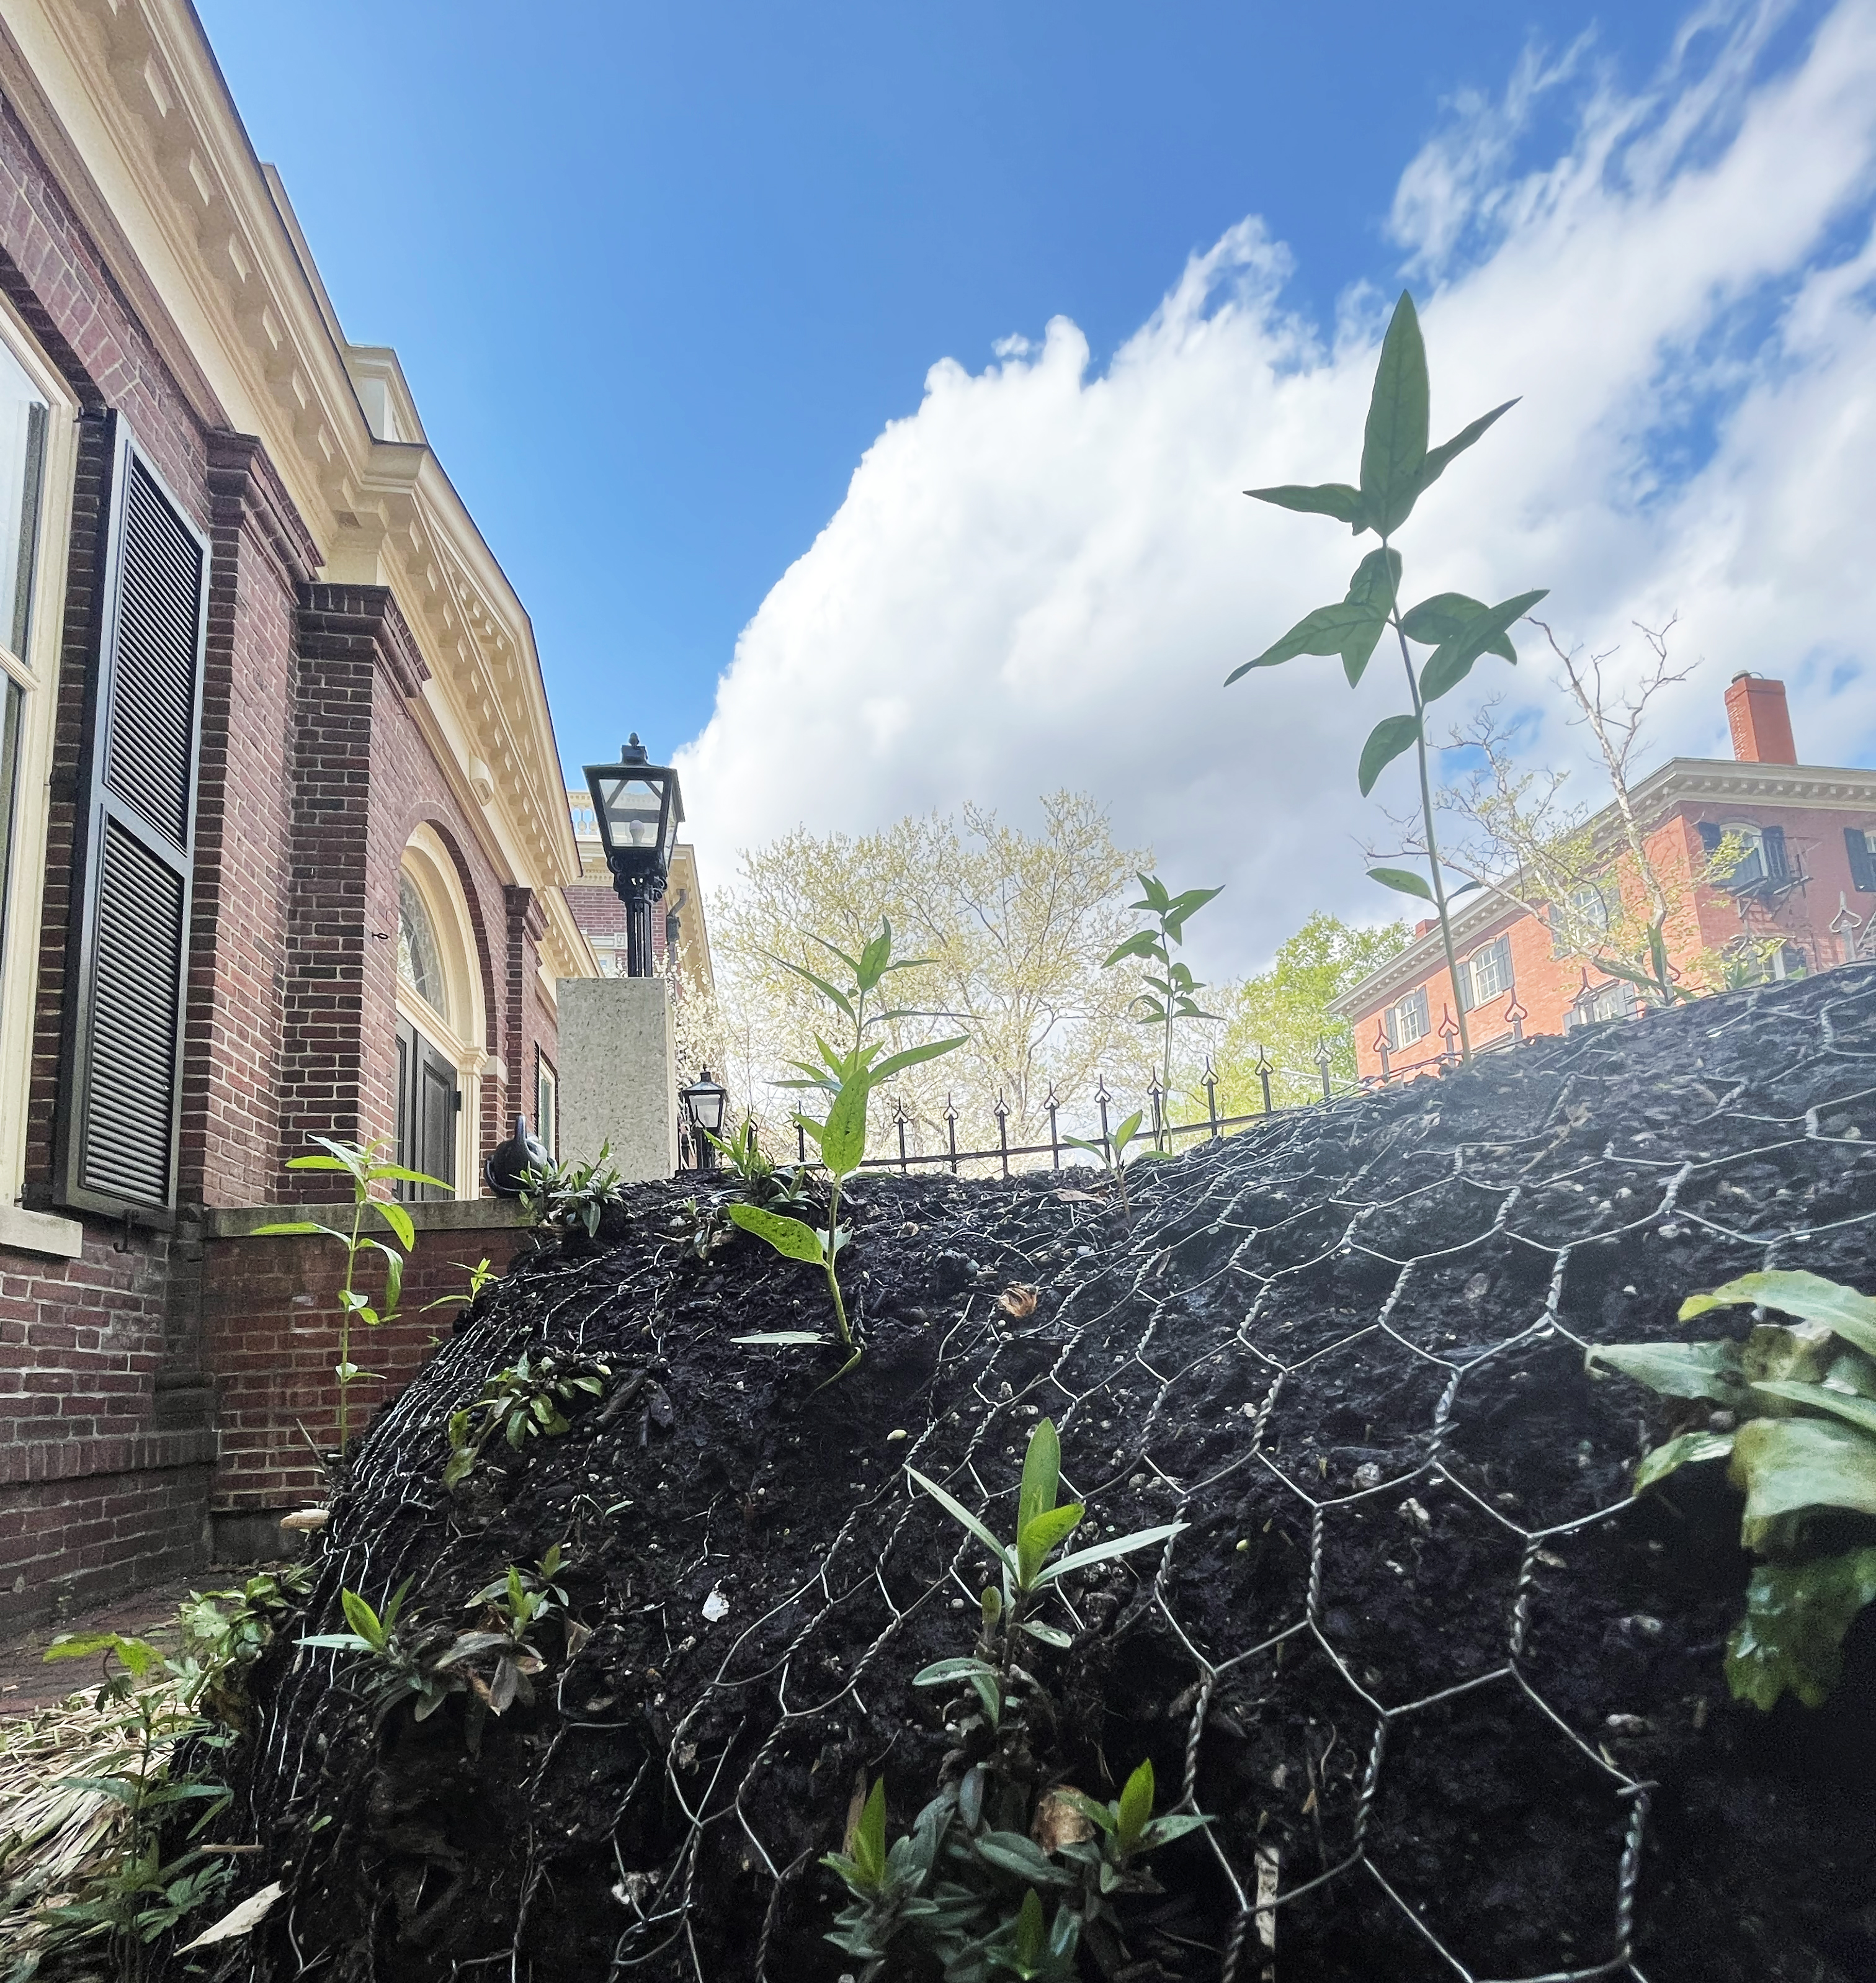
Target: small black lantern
<point x="704" y="1103"/>
<point x="638" y="807"/>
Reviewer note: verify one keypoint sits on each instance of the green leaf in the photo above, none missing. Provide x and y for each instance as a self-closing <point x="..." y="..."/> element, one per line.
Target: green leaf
<point x="1174" y="1824"/>
<point x="1144" y="943"/>
<point x="1324" y="499"/>
<point x="1349" y="630"/>
<point x="1402" y="881"/>
<point x="1858" y="1412"/>
<point x="393" y="1280"/>
<point x="398" y="1219"/>
<point x="1394" y="443"/>
<point x="1041" y="1479"/>
<point x="1099" y="1814"/>
<point x="1852" y="1316"/>
<point x="1439" y="458"/>
<point x="1792" y="1634"/>
<point x="1450" y="616"/>
<point x="1790" y="1465"/>
<point x="1011" y="1852"/>
<point x="1047" y="1531"/>
<point x="1136" y="1806"/>
<point x="832" y="993"/>
<point x="1050" y="1635"/>
<point x="361" y="1617"/>
<point x="1679" y="1370"/>
<point x="778" y="1337"/>
<point x="788" y="1236"/>
<point x="298" y="1225"/>
<point x="960" y="1513"/>
<point x="81" y="1645"/>
<point x="399" y="1172"/>
<point x="1451" y="660"/>
<point x="911" y="1057"/>
<point x="1388" y="738"/>
<point x="1103" y="1552"/>
<point x="943" y="1672"/>
<point x="869" y="1837"/>
<point x="323" y="1164"/>
<point x="1030" y="1932"/>
<point x="1375" y="586"/>
<point x="843" y="1136"/>
<point x="1685" y="1450"/>
<point x="875" y="958"/>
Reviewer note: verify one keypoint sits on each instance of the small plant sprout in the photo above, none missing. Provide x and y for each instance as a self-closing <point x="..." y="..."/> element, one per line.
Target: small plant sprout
<point x="1113" y="1153"/>
<point x="1809" y="1452"/>
<point x="1028" y="1567"/>
<point x="1169" y="996"/>
<point x="572" y="1198"/>
<point x="399" y="1658"/>
<point x="1124" y="1829"/>
<point x="1026" y="1948"/>
<point x="529" y="1397"/>
<point x="849" y="1077"/>
<point x="1397" y="468"/>
<point x="358" y="1164"/>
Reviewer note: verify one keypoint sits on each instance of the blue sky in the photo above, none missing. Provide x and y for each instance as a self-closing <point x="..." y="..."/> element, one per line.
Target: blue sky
<point x="659" y="275"/>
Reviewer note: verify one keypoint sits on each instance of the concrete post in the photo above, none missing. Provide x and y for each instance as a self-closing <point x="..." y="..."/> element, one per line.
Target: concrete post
<point x="618" y="1070"/>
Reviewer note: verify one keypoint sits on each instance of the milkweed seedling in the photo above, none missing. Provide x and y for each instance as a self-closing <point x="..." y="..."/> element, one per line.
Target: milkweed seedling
<point x="1028" y="1566"/>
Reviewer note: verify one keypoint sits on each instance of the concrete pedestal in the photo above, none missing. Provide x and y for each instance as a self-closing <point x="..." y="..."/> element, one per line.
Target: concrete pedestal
<point x="618" y="1070"/>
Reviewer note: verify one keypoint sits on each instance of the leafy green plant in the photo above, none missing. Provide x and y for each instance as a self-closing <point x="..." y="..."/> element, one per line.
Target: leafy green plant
<point x="133" y="1894"/>
<point x="402" y="1657"/>
<point x="359" y="1163"/>
<point x="480" y="1276"/>
<point x="1028" y="1566"/>
<point x="1805" y="1450"/>
<point x="1397" y="467"/>
<point x="849" y="1077"/>
<point x="522" y="1401"/>
<point x="1113" y="1154"/>
<point x="570" y="1199"/>
<point x="1170" y="996"/>
<point x="224" y="1632"/>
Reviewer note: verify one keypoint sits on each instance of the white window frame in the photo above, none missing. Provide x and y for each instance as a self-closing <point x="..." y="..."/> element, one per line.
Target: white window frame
<point x="1498" y="947"/>
<point x="458" y="1035"/>
<point x="547" y="1091"/>
<point x="36" y="672"/>
<point x="1416" y="1003"/>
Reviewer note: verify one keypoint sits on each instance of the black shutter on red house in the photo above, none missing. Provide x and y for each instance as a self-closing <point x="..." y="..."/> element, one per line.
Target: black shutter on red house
<point x="121" y="1099"/>
<point x="1862" y="866"/>
<point x="1772" y="848"/>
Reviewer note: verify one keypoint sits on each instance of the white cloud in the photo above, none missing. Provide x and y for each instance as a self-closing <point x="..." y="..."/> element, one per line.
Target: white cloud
<point x="1041" y="577"/>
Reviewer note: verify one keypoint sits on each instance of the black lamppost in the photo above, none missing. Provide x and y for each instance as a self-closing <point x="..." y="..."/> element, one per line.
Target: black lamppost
<point x="703" y="1102"/>
<point x="638" y="807"/>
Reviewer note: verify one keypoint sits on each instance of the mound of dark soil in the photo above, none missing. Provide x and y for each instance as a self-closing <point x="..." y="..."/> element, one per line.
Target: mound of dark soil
<point x="1448" y="1693"/>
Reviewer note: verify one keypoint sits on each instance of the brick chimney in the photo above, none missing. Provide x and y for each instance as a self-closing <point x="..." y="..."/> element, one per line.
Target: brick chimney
<point x="1761" y="723"/>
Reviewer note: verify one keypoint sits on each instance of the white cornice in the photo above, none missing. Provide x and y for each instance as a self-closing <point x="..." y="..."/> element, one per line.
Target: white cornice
<point x="205" y="243"/>
<point x="1681" y="781"/>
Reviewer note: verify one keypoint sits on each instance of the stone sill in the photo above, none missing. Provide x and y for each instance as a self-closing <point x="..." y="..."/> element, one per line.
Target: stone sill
<point x="41" y="1232"/>
<point x="442" y="1215"/>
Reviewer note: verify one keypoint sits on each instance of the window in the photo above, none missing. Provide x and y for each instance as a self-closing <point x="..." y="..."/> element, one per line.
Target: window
<point x="1616" y="1000"/>
<point x="37" y="429"/>
<point x="547" y="1103"/>
<point x="420" y="963"/>
<point x="1407" y="1021"/>
<point x="1581" y="922"/>
<point x="1742" y="856"/>
<point x="1488" y="973"/>
<point x="1860" y="844"/>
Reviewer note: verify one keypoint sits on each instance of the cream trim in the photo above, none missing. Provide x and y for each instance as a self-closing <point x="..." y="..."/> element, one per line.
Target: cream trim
<point x="203" y="237"/>
<point x="41" y="1232"/>
<point x="461" y="1033"/>
<point x="19" y="958"/>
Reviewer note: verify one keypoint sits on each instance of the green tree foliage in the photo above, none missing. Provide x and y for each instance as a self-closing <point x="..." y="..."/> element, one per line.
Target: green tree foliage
<point x="1014" y="925"/>
<point x="1283" y="1012"/>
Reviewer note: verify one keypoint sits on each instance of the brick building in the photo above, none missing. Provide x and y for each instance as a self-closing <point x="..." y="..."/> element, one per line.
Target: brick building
<point x="1765" y="862"/>
<point x="283" y="824"/>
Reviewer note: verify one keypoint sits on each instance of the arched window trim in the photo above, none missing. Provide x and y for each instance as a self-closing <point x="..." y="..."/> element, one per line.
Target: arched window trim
<point x="461" y="1034"/>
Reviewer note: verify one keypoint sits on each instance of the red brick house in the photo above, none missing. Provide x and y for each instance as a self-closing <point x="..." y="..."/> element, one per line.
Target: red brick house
<point x="283" y="824"/>
<point x="1764" y="860"/>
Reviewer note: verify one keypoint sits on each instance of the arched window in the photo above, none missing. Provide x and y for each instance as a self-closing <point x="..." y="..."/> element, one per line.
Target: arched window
<point x="420" y="963"/>
<point x="441" y="1027"/>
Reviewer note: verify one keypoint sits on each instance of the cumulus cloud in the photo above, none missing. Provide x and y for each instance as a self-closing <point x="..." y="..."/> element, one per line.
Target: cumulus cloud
<point x="1041" y="577"/>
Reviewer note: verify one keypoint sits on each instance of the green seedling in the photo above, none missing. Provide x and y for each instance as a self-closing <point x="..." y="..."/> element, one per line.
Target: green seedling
<point x="530" y="1397"/>
<point x="1124" y="1829"/>
<point x="1028" y="1566"/>
<point x="1806" y="1445"/>
<point x="849" y="1077"/>
<point x="1170" y="996"/>
<point x="1113" y="1154"/>
<point x="401" y="1659"/>
<point x="1397" y="468"/>
<point x="358" y="1162"/>
<point x="571" y="1199"/>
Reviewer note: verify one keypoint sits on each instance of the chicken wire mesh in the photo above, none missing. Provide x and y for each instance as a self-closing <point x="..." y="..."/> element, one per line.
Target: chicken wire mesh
<point x="1308" y="1345"/>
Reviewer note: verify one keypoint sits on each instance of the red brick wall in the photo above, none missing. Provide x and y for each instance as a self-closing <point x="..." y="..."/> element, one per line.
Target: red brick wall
<point x="1701" y="918"/>
<point x="98" y="1486"/>
<point x="269" y="1308"/>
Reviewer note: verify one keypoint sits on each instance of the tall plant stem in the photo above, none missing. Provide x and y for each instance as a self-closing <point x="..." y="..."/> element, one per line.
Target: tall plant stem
<point x="1432" y="850"/>
<point x="345" y="1317"/>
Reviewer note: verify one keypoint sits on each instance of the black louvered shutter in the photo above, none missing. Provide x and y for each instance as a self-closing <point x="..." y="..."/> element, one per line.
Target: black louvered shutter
<point x="1710" y="837"/>
<point x="1772" y="849"/>
<point x="1862" y="867"/>
<point x="122" y="1100"/>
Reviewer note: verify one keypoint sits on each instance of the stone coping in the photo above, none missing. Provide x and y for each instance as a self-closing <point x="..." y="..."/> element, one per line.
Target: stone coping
<point x="442" y="1215"/>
